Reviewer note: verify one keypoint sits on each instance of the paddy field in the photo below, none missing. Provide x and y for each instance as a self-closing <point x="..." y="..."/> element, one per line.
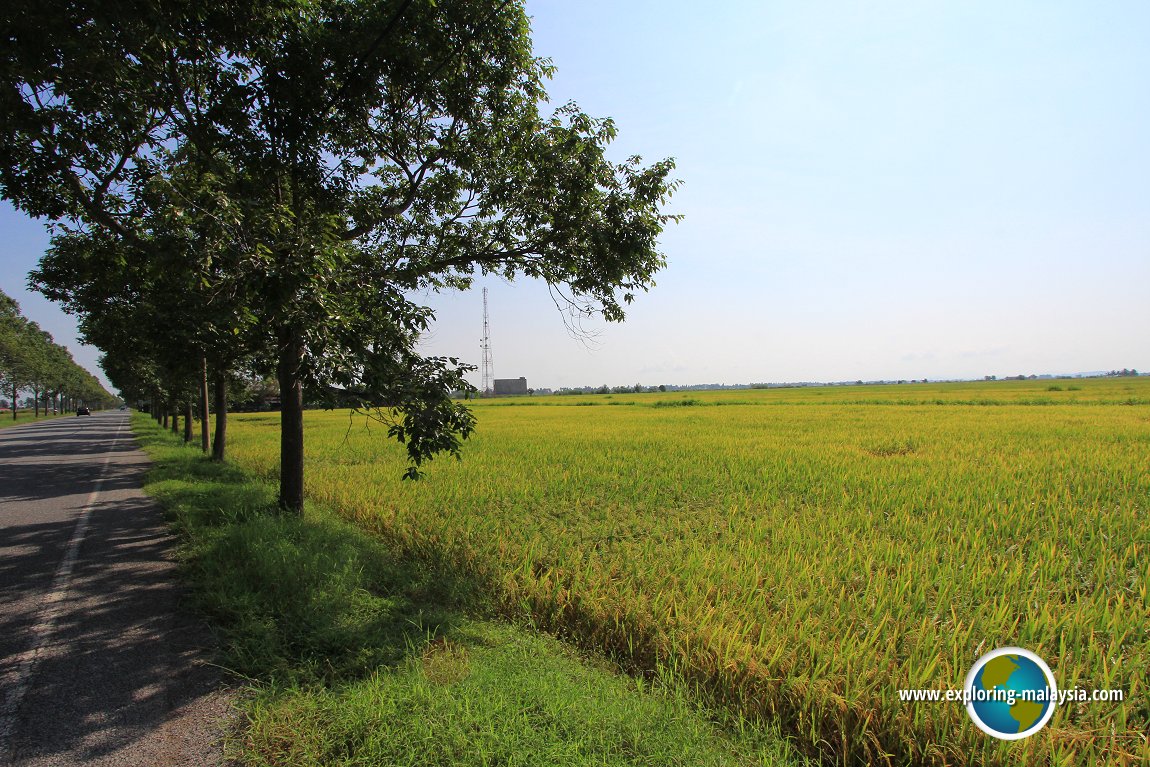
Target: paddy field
<point x="800" y="555"/>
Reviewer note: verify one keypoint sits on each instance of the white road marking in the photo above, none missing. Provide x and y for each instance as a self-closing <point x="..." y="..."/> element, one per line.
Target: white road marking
<point x="51" y="607"/>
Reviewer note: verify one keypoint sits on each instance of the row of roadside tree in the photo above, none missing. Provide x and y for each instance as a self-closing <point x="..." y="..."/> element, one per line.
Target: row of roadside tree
<point x="268" y="187"/>
<point x="31" y="363"/>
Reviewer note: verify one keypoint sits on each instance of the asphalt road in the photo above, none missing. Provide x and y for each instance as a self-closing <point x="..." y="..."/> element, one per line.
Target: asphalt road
<point x="99" y="665"/>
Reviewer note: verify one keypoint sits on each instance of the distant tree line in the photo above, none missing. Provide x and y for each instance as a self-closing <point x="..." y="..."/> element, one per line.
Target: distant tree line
<point x="604" y="389"/>
<point x="31" y="362"/>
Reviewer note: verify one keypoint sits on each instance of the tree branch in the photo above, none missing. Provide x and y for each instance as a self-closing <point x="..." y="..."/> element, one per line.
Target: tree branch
<point x="415" y="181"/>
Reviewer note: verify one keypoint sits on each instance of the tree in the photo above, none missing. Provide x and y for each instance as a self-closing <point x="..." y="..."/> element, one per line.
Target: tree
<point x="12" y="373"/>
<point x="361" y="150"/>
<point x="36" y="361"/>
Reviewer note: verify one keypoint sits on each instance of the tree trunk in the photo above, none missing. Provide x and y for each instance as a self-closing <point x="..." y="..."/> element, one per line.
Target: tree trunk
<point x="35" y="403"/>
<point x="291" y="421"/>
<point x="15" y="391"/>
<point x="220" y="441"/>
<point x="203" y="382"/>
<point x="175" y="418"/>
<point x="187" y="421"/>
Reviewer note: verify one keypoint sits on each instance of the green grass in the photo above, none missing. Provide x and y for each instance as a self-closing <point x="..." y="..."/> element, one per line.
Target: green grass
<point x="358" y="654"/>
<point x="26" y="417"/>
<point x="799" y="555"/>
<point x="492" y="694"/>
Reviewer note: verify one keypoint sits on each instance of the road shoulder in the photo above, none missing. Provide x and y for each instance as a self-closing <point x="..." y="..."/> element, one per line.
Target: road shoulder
<point x="121" y="673"/>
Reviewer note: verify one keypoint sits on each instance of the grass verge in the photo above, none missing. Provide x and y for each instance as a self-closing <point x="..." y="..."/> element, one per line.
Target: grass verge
<point x="6" y="419"/>
<point x="359" y="655"/>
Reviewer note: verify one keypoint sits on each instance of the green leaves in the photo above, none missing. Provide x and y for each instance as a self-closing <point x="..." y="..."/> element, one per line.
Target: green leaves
<point x="268" y="177"/>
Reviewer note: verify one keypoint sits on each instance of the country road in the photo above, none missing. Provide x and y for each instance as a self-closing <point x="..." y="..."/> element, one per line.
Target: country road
<point x="99" y="665"/>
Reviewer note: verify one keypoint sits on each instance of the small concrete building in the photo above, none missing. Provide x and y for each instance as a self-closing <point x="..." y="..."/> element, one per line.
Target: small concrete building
<point x="510" y="386"/>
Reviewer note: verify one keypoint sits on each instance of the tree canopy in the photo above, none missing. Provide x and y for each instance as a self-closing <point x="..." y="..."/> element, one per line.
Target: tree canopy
<point x="318" y="163"/>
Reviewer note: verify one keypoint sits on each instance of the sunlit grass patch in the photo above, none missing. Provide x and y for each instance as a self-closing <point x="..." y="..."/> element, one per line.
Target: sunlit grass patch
<point x="524" y="700"/>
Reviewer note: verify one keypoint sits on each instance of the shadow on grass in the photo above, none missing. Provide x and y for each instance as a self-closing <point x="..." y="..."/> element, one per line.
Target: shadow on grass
<point x="295" y="601"/>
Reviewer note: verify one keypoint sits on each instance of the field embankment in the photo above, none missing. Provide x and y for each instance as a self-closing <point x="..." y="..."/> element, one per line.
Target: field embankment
<point x="802" y="554"/>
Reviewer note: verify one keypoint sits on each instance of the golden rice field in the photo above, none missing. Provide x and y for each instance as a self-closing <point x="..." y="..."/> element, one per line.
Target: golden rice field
<point x="802" y="554"/>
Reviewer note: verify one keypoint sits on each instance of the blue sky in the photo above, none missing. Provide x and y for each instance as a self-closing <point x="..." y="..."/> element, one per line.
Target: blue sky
<point x="871" y="190"/>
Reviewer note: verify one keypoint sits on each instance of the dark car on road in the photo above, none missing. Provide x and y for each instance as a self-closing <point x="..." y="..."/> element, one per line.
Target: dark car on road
<point x="83" y="411"/>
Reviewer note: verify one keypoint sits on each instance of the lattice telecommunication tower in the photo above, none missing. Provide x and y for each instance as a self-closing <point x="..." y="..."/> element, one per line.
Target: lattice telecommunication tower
<point x="485" y="345"/>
